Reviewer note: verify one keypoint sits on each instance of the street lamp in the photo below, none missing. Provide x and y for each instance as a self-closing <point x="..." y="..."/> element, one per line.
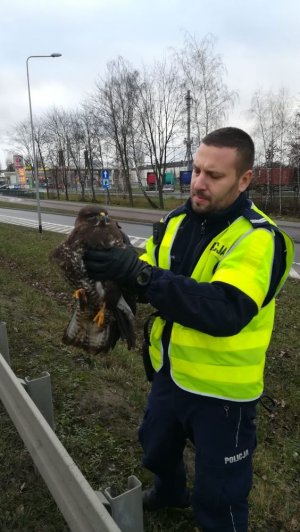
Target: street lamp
<point x="33" y="142"/>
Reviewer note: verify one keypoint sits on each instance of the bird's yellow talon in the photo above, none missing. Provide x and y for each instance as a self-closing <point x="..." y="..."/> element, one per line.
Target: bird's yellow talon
<point x="100" y="316"/>
<point x="79" y="293"/>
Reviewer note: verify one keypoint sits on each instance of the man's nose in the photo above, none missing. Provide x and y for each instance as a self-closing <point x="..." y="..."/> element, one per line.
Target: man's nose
<point x="200" y="181"/>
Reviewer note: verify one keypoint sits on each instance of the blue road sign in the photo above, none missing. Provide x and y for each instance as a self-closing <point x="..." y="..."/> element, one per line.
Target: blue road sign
<point x="105" y="178"/>
<point x="105" y="183"/>
<point x="105" y="174"/>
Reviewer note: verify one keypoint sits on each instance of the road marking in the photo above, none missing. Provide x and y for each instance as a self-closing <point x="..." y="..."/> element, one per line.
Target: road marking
<point x="137" y="241"/>
<point x="293" y="273"/>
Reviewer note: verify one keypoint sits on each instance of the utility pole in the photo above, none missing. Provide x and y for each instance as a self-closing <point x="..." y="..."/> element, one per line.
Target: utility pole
<point x="188" y="141"/>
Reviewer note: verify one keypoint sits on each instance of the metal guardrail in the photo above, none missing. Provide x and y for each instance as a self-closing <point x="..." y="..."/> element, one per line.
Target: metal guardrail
<point x="84" y="509"/>
<point x="76" y="499"/>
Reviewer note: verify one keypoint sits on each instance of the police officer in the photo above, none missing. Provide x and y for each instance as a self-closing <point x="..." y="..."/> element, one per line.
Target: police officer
<point x="212" y="271"/>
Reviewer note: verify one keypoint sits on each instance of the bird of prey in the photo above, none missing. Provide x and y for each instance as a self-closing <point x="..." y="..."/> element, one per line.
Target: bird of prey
<point x="104" y="311"/>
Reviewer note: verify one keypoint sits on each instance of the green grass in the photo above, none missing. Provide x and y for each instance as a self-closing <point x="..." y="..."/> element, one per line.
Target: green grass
<point x="98" y="401"/>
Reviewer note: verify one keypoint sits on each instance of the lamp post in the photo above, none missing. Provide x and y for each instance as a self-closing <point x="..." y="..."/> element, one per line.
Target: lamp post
<point x="33" y="142"/>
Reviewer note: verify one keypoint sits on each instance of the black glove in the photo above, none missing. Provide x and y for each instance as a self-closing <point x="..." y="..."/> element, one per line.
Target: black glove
<point x="117" y="264"/>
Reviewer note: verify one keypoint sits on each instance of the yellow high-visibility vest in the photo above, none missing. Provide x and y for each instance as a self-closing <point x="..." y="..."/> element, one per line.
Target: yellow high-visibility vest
<point x="228" y="367"/>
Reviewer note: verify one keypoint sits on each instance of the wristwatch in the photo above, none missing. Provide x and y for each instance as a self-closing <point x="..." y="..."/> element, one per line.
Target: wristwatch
<point x="144" y="276"/>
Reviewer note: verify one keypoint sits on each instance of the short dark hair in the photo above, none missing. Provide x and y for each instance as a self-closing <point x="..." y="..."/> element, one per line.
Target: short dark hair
<point x="233" y="137"/>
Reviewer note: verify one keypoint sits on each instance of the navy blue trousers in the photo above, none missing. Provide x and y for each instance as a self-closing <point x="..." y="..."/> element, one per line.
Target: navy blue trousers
<point x="224" y="435"/>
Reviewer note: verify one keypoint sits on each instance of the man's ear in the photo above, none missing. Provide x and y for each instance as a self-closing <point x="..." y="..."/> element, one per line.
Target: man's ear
<point x="245" y="180"/>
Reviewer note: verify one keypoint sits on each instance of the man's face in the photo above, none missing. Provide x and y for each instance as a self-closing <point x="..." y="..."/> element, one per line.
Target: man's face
<point x="215" y="184"/>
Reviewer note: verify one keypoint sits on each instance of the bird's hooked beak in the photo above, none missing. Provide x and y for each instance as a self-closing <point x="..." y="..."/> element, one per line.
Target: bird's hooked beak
<point x="103" y="218"/>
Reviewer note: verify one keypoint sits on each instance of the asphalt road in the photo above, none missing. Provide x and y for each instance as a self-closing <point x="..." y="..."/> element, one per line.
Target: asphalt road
<point x="133" y="228"/>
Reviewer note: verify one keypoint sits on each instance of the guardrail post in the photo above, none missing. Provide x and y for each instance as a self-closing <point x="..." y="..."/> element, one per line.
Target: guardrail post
<point x="39" y="389"/>
<point x="4" y="349"/>
<point x="127" y="508"/>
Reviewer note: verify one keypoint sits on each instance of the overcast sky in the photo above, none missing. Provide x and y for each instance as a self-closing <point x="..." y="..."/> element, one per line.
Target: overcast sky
<point x="259" y="42"/>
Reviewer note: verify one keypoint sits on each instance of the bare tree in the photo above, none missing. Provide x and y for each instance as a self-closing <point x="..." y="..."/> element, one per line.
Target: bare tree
<point x="263" y="113"/>
<point x="203" y="72"/>
<point x="161" y="106"/>
<point x="76" y="143"/>
<point x="283" y="120"/>
<point x="138" y="157"/>
<point x="271" y="116"/>
<point x="73" y="138"/>
<point x="58" y="128"/>
<point x="22" y="138"/>
<point x="115" y="102"/>
<point x="294" y="148"/>
<point x="22" y="141"/>
<point x="41" y="139"/>
<point x="93" y="135"/>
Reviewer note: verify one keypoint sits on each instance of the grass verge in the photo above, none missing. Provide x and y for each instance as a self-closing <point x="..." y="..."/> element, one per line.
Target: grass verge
<point x="98" y="401"/>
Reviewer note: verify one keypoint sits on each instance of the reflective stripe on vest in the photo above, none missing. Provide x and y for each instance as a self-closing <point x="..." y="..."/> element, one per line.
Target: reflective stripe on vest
<point x="225" y="367"/>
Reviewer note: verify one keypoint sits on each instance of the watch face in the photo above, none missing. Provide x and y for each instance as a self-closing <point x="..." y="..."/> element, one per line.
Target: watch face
<point x="144" y="276"/>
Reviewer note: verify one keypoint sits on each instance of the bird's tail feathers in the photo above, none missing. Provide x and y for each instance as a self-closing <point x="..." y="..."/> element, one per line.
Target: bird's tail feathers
<point x="83" y="332"/>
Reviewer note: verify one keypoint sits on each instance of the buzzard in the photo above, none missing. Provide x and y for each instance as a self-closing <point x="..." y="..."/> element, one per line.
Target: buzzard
<point x="104" y="310"/>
